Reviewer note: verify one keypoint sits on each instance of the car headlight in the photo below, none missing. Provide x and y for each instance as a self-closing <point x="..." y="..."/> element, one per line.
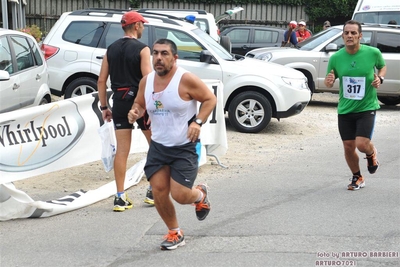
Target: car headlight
<point x="296" y="82"/>
<point x="265" y="57"/>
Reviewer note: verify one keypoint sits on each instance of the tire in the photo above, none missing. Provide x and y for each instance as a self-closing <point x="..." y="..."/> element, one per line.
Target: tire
<point x="43" y="101"/>
<point x="389" y="100"/>
<point x="225" y="42"/>
<point x="81" y="86"/>
<point x="250" y="112"/>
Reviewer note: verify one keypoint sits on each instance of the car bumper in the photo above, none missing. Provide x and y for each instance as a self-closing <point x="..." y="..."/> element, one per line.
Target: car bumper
<point x="297" y="108"/>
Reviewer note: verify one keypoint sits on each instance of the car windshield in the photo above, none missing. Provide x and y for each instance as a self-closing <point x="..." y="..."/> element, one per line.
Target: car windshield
<point x="377" y="17"/>
<point x="310" y="43"/>
<point x="214" y="45"/>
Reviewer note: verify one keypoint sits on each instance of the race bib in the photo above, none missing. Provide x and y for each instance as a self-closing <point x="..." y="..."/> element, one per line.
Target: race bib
<point x="353" y="87"/>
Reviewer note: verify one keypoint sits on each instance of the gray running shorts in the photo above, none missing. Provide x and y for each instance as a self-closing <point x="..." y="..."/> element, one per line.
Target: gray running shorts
<point x="182" y="160"/>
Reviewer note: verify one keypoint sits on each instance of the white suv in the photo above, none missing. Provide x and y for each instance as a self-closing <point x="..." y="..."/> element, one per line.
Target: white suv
<point x="23" y="72"/>
<point x="254" y="91"/>
<point x="203" y="19"/>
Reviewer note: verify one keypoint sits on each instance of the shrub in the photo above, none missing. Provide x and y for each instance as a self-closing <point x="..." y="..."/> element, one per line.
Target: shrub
<point x="33" y="30"/>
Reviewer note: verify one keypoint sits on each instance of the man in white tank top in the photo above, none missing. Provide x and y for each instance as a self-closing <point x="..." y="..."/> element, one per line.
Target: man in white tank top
<point x="170" y="95"/>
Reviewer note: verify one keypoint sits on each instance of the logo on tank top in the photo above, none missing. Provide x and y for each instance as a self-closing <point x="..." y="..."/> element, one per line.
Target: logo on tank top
<point x="353" y="64"/>
<point x="158" y="104"/>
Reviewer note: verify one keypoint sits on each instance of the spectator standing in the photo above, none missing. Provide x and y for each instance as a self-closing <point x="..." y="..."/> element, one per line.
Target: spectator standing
<point x="302" y="33"/>
<point x="326" y="25"/>
<point x="290" y="35"/>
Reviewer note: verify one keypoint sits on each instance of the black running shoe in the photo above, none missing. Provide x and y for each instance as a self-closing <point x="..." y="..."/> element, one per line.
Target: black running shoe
<point x="204" y="206"/>
<point x="372" y="162"/>
<point x="122" y="203"/>
<point x="173" y="240"/>
<point x="149" y="197"/>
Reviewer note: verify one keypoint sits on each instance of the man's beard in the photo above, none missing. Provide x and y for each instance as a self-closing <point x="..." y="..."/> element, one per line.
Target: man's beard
<point x="162" y="72"/>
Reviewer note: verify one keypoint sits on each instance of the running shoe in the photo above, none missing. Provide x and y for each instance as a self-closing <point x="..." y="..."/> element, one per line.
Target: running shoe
<point x="357" y="182"/>
<point x="149" y="197"/>
<point x="204" y="206"/>
<point x="122" y="203"/>
<point x="372" y="162"/>
<point x="173" y="240"/>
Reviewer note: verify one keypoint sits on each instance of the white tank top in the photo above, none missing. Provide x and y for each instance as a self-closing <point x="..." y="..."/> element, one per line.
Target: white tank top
<point x="169" y="113"/>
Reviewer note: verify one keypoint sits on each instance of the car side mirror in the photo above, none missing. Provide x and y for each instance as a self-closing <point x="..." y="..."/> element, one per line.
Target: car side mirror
<point x="4" y="75"/>
<point x="331" y="48"/>
<point x="207" y="57"/>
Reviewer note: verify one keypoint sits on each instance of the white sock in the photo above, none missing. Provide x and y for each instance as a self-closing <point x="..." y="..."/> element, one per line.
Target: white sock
<point x="200" y="198"/>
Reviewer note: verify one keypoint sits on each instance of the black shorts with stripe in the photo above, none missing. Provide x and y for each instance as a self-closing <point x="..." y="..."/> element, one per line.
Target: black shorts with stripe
<point x="356" y="124"/>
<point x="120" y="110"/>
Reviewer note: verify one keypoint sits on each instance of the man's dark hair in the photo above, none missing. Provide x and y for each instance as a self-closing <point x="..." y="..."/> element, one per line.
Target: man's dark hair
<point x="171" y="44"/>
<point x="353" y="22"/>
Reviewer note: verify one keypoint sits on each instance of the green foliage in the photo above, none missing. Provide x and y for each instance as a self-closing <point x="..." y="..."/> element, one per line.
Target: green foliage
<point x="33" y="30"/>
<point x="316" y="9"/>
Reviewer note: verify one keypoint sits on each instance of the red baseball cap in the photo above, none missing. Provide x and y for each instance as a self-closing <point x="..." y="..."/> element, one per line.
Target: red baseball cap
<point x="132" y="17"/>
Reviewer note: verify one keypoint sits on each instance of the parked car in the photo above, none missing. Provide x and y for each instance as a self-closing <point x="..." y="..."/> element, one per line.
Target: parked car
<point x="248" y="37"/>
<point x="312" y="56"/>
<point x="23" y="72"/>
<point x="204" y="20"/>
<point x="254" y="91"/>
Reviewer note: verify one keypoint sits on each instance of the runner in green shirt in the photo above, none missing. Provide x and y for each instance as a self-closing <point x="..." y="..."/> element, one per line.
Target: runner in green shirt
<point x="355" y="66"/>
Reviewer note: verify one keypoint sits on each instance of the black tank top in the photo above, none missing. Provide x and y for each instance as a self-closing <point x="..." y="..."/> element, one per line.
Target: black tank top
<point x="124" y="63"/>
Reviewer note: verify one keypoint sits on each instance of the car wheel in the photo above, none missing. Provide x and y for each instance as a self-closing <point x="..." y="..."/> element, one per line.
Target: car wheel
<point x="43" y="101"/>
<point x="250" y="112"/>
<point x="81" y="86"/>
<point x="389" y="100"/>
<point x="225" y="42"/>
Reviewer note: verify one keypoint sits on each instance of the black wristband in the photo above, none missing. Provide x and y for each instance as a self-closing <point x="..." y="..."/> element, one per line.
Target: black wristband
<point x="103" y="108"/>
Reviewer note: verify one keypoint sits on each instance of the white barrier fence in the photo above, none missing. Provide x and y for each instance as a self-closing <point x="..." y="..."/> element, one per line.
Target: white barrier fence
<point x="63" y="134"/>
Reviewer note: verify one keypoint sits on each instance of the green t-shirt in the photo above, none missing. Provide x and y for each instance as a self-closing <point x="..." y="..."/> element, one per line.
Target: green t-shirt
<point x="356" y="73"/>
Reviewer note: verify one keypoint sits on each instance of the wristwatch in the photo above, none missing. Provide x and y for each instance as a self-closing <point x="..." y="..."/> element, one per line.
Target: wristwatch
<point x="381" y="78"/>
<point x="198" y="121"/>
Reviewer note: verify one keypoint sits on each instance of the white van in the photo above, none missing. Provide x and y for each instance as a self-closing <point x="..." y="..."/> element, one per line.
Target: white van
<point x="377" y="12"/>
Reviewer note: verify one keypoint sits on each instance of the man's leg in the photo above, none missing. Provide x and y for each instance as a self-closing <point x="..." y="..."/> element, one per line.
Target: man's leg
<point x="352" y="159"/>
<point x="149" y="199"/>
<point x="123" y="137"/>
<point x="365" y="145"/>
<point x="351" y="156"/>
<point x="160" y="183"/>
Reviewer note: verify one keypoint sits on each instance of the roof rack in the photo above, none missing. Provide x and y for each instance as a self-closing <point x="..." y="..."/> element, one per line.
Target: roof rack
<point x="110" y="12"/>
<point x="199" y="11"/>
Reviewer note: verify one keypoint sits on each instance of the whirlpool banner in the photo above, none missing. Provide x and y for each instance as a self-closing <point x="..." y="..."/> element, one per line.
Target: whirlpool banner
<point x="63" y="134"/>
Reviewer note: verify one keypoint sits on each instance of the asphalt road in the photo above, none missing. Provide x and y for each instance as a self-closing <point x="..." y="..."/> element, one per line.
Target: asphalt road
<point x="281" y="202"/>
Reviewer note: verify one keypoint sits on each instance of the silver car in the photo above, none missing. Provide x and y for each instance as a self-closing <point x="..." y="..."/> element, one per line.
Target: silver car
<point x="23" y="72"/>
<point x="311" y="57"/>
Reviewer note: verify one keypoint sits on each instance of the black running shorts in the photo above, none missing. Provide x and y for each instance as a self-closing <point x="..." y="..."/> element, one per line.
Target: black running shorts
<point x="120" y="112"/>
<point x="182" y="160"/>
<point x="356" y="124"/>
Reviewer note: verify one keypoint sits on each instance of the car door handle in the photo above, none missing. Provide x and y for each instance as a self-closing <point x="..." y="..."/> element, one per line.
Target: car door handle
<point x="245" y="47"/>
<point x="38" y="77"/>
<point x="16" y="86"/>
<point x="99" y="57"/>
